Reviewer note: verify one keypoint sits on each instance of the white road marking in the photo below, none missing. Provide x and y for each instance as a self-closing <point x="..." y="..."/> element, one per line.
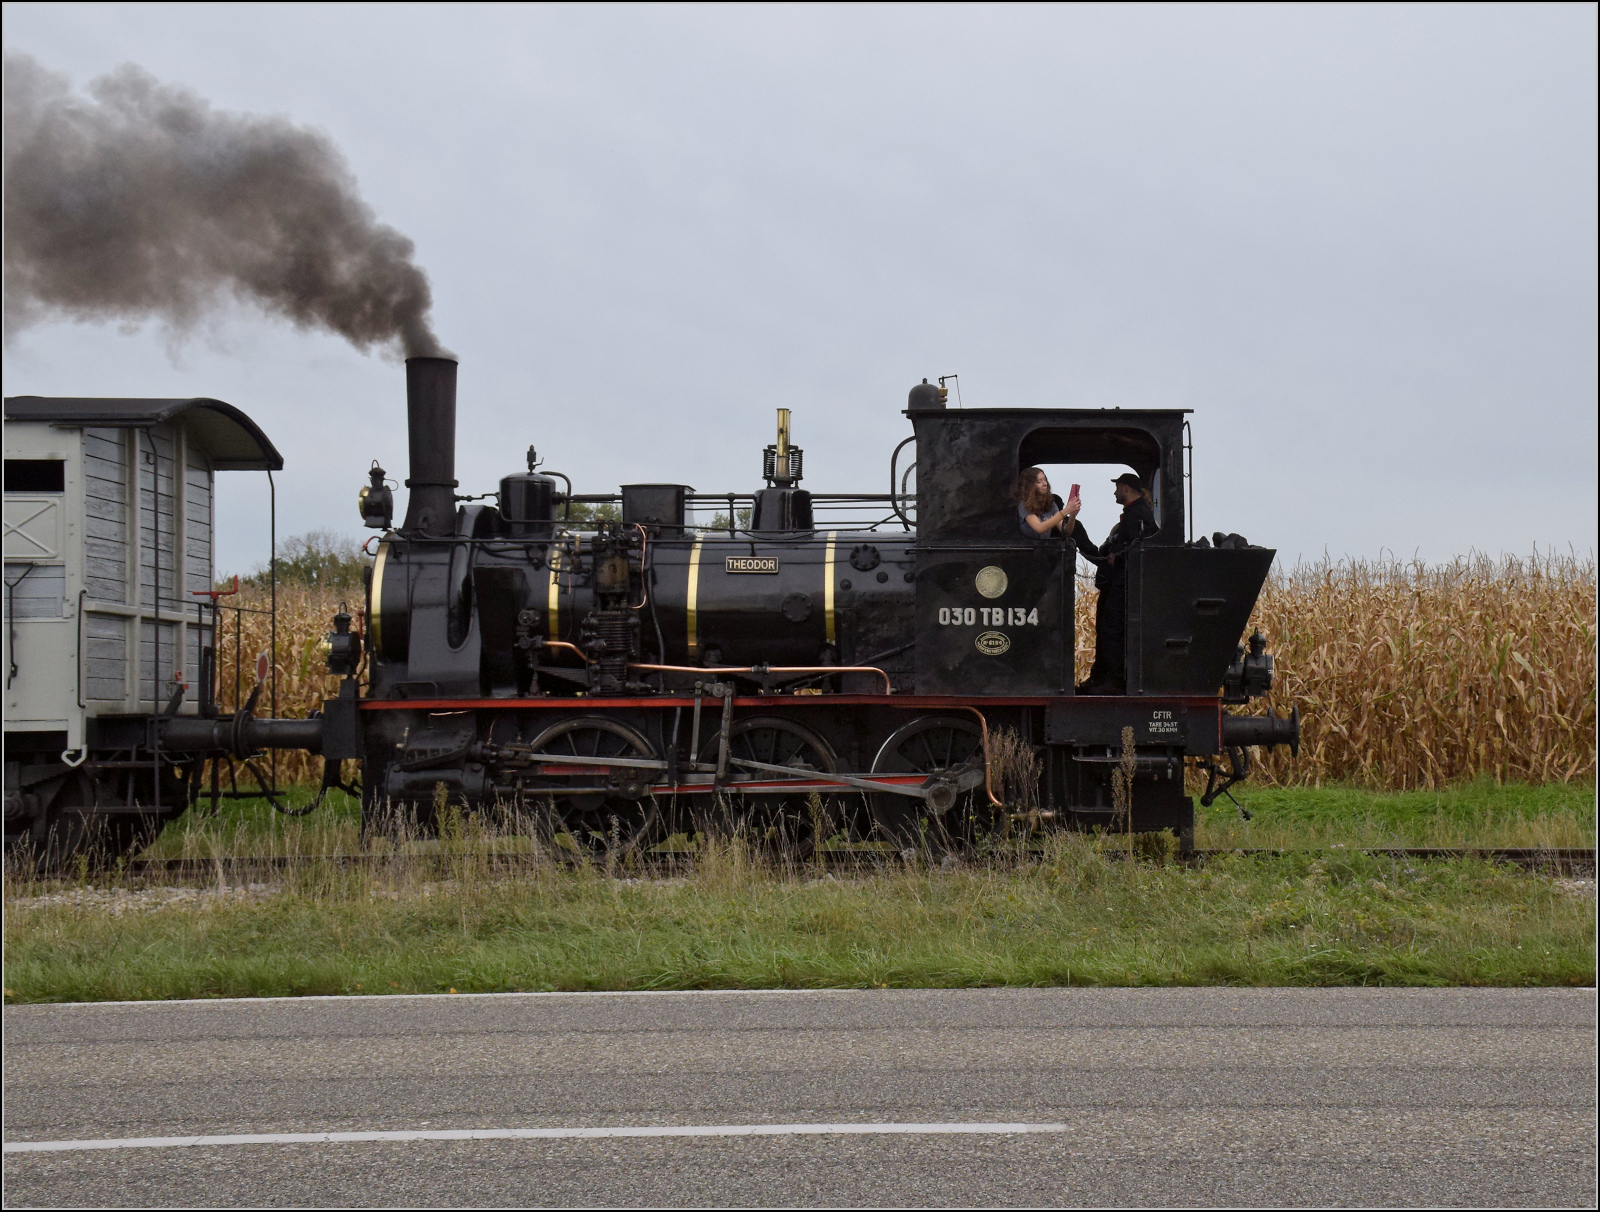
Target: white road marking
<point x="334" y="1138"/>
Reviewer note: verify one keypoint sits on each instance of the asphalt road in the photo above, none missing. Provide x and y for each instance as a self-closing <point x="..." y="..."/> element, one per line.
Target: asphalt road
<point x="1185" y="1096"/>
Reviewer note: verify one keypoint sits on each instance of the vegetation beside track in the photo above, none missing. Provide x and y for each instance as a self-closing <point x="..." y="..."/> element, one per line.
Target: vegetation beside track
<point x="1477" y="814"/>
<point x="1480" y="814"/>
<point x="1057" y="911"/>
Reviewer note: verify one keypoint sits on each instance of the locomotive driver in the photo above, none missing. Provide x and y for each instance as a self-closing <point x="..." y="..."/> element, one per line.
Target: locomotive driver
<point x="1138" y="521"/>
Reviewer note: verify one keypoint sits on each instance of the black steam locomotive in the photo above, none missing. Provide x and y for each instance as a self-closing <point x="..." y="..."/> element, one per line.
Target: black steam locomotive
<point x="812" y="665"/>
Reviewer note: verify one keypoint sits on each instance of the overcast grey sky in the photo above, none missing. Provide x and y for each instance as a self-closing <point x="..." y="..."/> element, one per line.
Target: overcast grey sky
<point x="1360" y="242"/>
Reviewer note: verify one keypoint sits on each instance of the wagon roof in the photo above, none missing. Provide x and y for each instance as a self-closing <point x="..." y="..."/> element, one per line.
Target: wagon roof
<point x="233" y="440"/>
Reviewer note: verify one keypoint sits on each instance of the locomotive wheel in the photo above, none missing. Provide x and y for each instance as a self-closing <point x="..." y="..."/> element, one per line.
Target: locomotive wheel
<point x="934" y="745"/>
<point x="606" y="809"/>
<point x="784" y="820"/>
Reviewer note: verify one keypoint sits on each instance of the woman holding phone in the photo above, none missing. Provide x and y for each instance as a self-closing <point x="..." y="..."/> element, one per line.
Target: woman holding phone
<point x="1038" y="512"/>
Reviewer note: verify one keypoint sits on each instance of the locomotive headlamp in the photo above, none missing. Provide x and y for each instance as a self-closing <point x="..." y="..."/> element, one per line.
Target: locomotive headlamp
<point x="1250" y="675"/>
<point x="1257" y="667"/>
<point x="343" y="649"/>
<point x="377" y="502"/>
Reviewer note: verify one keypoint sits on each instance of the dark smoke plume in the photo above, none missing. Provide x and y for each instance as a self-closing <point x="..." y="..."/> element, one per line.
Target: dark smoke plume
<point x="144" y="202"/>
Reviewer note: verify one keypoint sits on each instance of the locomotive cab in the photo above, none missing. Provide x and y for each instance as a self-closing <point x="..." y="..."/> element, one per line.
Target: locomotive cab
<point x="981" y="584"/>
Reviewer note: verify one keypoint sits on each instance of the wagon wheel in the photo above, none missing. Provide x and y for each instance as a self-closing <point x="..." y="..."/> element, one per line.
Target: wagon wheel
<point x="933" y="745"/>
<point x="601" y="807"/>
<point x="786" y="820"/>
<point x="71" y="830"/>
<point x="58" y="834"/>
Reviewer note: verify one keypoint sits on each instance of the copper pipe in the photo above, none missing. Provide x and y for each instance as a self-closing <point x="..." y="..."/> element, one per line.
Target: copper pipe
<point x="563" y="644"/>
<point x="988" y="788"/>
<point x="888" y="686"/>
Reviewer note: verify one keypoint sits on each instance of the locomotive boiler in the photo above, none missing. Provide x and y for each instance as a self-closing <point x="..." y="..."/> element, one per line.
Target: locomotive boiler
<point x="811" y="665"/>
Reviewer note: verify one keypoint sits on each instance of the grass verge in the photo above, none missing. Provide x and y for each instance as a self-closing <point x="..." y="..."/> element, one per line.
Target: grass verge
<point x="1481" y="813"/>
<point x="436" y="917"/>
<point x="1071" y="915"/>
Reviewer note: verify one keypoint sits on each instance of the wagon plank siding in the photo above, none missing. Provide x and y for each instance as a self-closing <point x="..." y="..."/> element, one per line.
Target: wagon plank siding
<point x="105" y="511"/>
<point x="197" y="520"/>
<point x="36" y="591"/>
<point x="155" y="690"/>
<point x="157" y="485"/>
<point x="106" y="659"/>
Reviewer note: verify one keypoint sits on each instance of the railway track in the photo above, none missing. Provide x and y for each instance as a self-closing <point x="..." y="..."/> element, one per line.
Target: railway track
<point x="1569" y="860"/>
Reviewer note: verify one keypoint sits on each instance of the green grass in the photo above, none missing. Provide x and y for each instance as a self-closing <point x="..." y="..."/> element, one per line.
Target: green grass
<point x="1075" y="916"/>
<point x="1472" y="814"/>
<point x="1066" y="912"/>
<point x="254" y="828"/>
<point x="1481" y="813"/>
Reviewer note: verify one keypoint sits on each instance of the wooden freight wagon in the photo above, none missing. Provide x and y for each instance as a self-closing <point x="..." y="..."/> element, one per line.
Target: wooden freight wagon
<point x="108" y="537"/>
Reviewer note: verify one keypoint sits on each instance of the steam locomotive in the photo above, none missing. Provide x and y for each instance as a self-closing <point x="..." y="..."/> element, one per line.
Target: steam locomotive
<point x="814" y="666"/>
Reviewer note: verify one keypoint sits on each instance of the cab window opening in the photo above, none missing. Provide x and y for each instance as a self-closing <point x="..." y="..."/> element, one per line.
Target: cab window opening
<point x="1095" y="480"/>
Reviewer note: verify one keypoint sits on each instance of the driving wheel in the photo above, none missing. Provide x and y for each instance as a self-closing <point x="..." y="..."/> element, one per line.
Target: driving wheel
<point x="602" y="808"/>
<point x="789" y="821"/>
<point x="949" y="750"/>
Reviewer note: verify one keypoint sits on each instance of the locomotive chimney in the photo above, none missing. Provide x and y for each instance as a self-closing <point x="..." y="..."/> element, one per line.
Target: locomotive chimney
<point x="431" y="424"/>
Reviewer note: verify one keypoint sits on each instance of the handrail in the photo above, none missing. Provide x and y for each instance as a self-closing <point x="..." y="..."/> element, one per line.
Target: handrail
<point x="82" y="644"/>
<point x="757" y="670"/>
<point x="894" y="502"/>
<point x="761" y="670"/>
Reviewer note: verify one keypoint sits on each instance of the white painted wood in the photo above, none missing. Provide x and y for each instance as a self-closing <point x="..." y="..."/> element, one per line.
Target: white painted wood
<point x="44" y="541"/>
<point x="125" y="490"/>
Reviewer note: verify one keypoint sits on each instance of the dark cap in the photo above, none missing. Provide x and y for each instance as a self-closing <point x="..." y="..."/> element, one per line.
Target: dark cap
<point x="1131" y="480"/>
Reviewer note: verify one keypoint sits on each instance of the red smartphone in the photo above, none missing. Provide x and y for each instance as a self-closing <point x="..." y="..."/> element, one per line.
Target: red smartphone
<point x="1073" y="495"/>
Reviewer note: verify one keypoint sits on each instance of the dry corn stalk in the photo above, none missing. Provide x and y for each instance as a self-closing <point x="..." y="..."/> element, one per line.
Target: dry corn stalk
<point x="1416" y="676"/>
<point x="305" y="616"/>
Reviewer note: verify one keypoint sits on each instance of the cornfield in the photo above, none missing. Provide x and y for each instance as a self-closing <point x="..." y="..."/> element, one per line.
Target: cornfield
<point x="1409" y="676"/>
<point x="305" y="616"/>
<point x="1406" y="675"/>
